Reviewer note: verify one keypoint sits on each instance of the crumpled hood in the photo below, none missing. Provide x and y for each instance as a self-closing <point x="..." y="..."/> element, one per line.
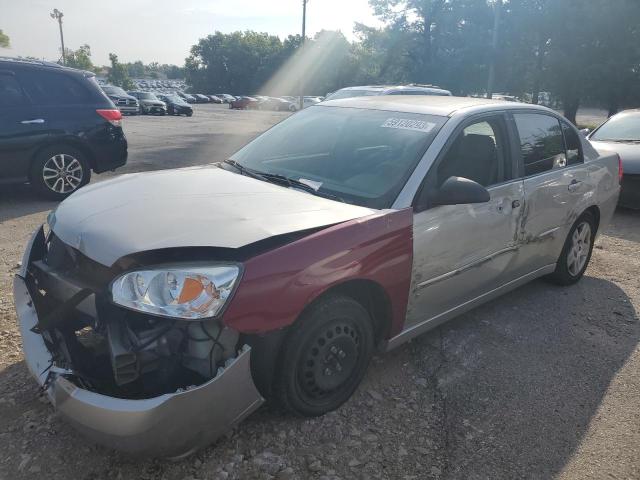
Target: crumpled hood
<point x="191" y="207"/>
<point x="629" y="153"/>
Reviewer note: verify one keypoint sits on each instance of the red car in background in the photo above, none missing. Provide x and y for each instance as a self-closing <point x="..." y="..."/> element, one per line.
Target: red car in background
<point x="244" y="103"/>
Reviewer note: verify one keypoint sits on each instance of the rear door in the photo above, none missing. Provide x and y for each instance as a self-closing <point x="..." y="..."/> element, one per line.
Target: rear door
<point x="21" y="128"/>
<point x="464" y="251"/>
<point x="555" y="181"/>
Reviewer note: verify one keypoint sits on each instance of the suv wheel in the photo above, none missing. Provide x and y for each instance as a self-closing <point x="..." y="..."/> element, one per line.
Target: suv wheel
<point x="57" y="172"/>
<point x="324" y="357"/>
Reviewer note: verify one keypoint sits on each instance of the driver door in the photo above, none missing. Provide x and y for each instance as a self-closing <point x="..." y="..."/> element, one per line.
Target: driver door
<point x="461" y="252"/>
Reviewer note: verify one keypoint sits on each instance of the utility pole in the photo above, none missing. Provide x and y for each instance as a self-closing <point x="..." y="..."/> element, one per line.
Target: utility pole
<point x="57" y="15"/>
<point x="304" y="33"/>
<point x="497" y="8"/>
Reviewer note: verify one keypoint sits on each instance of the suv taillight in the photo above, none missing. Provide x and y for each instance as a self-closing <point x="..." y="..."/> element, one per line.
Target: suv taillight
<point x="113" y="116"/>
<point x="620" y="170"/>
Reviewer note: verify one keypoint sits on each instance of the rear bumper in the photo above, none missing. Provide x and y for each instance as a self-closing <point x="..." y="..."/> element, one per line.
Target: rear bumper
<point x="630" y="194"/>
<point x="172" y="425"/>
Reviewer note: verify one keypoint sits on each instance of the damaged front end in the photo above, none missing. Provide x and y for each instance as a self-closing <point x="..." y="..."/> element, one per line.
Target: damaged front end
<point x="132" y="381"/>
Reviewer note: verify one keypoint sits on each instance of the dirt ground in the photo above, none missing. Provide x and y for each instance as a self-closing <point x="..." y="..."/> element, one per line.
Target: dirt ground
<point x="541" y="383"/>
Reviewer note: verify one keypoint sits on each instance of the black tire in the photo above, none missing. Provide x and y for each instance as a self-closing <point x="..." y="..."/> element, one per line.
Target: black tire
<point x="324" y="357"/>
<point x="189" y="114"/>
<point x="563" y="275"/>
<point x="50" y="157"/>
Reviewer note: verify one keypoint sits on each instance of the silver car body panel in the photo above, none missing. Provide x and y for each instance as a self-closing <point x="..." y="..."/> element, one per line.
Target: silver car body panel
<point x="192" y="207"/>
<point x="171" y="425"/>
<point x="465" y="255"/>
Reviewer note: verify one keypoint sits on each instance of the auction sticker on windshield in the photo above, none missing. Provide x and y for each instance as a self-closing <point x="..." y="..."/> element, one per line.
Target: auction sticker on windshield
<point x="408" y="124"/>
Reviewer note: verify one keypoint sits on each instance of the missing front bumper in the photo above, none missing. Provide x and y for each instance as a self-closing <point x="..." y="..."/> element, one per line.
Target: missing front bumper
<point x="173" y="424"/>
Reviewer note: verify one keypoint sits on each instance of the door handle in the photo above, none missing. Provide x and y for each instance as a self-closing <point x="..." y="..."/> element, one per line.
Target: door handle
<point x="35" y="120"/>
<point x="574" y="185"/>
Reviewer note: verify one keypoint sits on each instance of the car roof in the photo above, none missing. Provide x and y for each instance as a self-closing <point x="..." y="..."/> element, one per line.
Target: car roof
<point x="425" y="104"/>
<point x="28" y="62"/>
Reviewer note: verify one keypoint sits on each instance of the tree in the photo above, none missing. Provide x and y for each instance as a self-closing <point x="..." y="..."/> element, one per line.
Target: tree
<point x="234" y="62"/>
<point x="4" y="40"/>
<point x="118" y="74"/>
<point x="80" y="58"/>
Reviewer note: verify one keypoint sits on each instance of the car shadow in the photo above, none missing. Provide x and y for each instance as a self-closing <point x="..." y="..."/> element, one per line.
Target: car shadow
<point x="625" y="225"/>
<point x="507" y="390"/>
<point x="522" y="377"/>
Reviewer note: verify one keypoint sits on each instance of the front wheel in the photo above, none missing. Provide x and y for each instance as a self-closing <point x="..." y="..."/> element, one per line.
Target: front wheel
<point x="324" y="357"/>
<point x="57" y="172"/>
<point x="576" y="252"/>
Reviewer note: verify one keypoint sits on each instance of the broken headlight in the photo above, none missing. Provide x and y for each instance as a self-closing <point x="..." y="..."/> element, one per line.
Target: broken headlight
<point x="188" y="292"/>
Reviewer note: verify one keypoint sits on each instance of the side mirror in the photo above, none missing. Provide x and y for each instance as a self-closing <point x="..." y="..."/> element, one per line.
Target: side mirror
<point x="460" y="191"/>
<point x="585" y="132"/>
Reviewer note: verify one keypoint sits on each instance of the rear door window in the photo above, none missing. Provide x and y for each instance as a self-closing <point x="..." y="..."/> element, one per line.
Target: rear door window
<point x="54" y="88"/>
<point x="541" y="142"/>
<point x="573" y="144"/>
<point x="11" y="94"/>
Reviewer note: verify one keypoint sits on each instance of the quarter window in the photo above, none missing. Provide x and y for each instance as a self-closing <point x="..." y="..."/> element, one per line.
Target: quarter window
<point x="541" y="142"/>
<point x="10" y="92"/>
<point x="53" y="88"/>
<point x="573" y="144"/>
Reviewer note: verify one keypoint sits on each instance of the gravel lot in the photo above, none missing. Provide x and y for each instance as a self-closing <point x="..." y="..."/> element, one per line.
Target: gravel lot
<point x="542" y="383"/>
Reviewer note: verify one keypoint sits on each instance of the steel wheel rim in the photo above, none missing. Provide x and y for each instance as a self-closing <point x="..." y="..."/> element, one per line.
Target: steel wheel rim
<point x="62" y="173"/>
<point x="330" y="360"/>
<point x="580" y="248"/>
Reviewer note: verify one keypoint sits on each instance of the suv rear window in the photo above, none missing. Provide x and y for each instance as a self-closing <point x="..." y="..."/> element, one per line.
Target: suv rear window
<point x="54" y="88"/>
<point x="10" y="92"/>
<point x="541" y="142"/>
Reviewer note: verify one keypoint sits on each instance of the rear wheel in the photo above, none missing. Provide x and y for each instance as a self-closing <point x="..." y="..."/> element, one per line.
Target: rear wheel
<point x="324" y="357"/>
<point x="576" y="252"/>
<point x="59" y="171"/>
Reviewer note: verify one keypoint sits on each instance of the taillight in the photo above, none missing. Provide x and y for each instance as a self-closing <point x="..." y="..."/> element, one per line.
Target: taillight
<point x="113" y="116"/>
<point x="620" y="170"/>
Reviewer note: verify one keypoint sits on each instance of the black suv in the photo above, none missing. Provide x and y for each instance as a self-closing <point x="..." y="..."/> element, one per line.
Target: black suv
<point x="56" y="126"/>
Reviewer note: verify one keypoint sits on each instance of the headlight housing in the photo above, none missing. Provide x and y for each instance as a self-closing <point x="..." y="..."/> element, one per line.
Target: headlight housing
<point x="184" y="292"/>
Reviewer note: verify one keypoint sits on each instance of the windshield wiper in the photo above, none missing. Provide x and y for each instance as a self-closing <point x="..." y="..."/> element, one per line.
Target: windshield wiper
<point x="293" y="183"/>
<point x="618" y="140"/>
<point x="244" y="170"/>
<point x="281" y="180"/>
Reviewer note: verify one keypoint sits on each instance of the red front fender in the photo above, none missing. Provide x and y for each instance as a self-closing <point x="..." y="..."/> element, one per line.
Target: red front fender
<point x="279" y="284"/>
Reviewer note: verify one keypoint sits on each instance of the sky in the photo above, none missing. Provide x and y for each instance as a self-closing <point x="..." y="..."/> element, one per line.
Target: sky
<point x="162" y="30"/>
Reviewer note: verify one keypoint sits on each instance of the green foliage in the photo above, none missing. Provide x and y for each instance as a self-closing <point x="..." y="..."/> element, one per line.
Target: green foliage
<point x="118" y="74"/>
<point x="80" y="58"/>
<point x="578" y="50"/>
<point x="4" y="40"/>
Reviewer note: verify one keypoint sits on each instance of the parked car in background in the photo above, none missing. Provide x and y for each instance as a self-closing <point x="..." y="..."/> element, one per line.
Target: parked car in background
<point x="56" y="126"/>
<point x="126" y="103"/>
<point x="215" y="99"/>
<point x="276" y="104"/>
<point x="200" y="98"/>
<point x="372" y="90"/>
<point x="244" y="103"/>
<point x="226" y="98"/>
<point x="621" y="134"/>
<point x="371" y="220"/>
<point x="188" y="98"/>
<point x="149" y="103"/>
<point x="176" y="105"/>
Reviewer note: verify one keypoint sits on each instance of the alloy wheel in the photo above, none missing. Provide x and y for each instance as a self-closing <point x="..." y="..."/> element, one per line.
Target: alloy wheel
<point x="579" y="251"/>
<point x="62" y="173"/>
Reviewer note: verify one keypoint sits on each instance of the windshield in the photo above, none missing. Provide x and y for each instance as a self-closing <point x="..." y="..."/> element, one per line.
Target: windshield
<point x="362" y="156"/>
<point x="147" y="96"/>
<point x="115" y="91"/>
<point x="623" y="127"/>
<point x="352" y="93"/>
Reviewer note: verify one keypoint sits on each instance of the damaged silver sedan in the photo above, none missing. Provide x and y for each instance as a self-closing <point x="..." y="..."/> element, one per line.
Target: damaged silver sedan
<point x="158" y="310"/>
